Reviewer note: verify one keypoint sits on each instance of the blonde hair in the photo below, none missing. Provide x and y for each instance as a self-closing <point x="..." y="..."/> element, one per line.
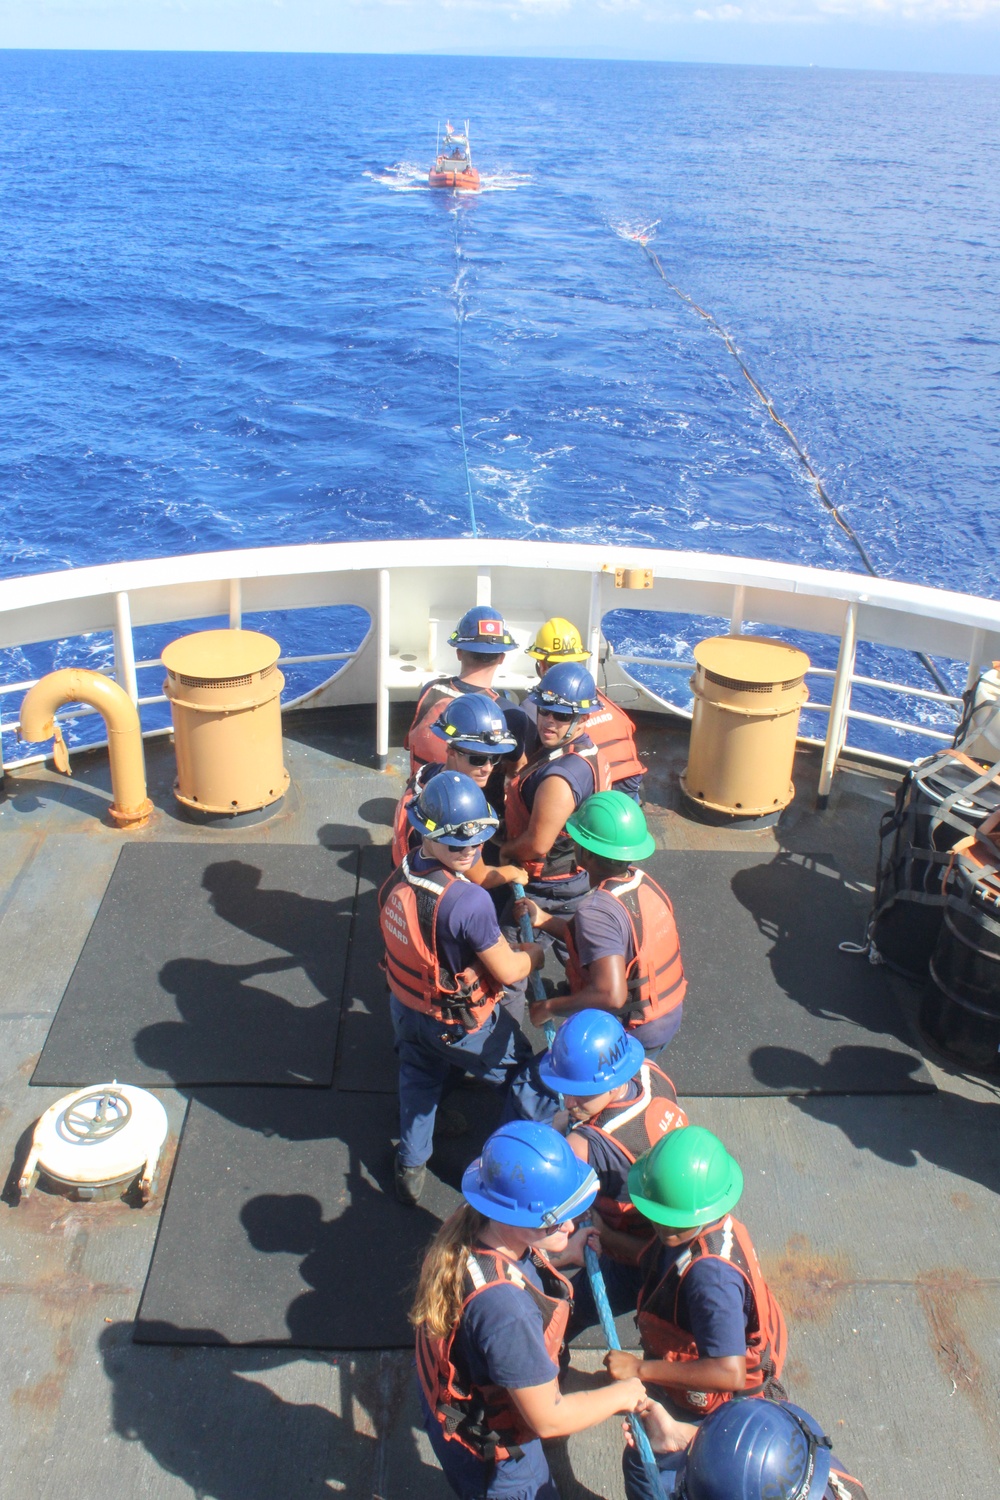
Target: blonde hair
<point x="438" y="1302"/>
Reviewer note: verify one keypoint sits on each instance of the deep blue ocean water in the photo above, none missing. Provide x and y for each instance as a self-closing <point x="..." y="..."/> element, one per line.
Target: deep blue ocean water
<point x="230" y="313"/>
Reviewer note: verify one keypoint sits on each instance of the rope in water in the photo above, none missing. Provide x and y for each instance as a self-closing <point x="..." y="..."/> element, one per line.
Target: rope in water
<point x="460" y="320"/>
<point x="607" y="1317"/>
<point x="942" y="684"/>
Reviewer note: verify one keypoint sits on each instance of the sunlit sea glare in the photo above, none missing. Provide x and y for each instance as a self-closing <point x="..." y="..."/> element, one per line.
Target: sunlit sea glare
<point x="231" y="303"/>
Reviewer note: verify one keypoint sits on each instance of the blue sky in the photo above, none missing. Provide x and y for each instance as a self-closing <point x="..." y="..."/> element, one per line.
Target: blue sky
<point x="919" y="35"/>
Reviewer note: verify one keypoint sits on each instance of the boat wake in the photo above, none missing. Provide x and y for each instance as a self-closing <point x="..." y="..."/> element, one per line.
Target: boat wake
<point x="642" y="234"/>
<point x="404" y="177"/>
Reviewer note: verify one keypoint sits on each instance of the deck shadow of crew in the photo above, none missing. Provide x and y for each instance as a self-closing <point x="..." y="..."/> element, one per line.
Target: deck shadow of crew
<point x="232" y="1027"/>
<point x="204" y="1416"/>
<point x="805" y="910"/>
<point x="960" y="1135"/>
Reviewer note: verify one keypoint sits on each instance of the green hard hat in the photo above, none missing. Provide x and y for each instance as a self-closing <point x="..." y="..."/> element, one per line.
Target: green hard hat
<point x="688" y="1178"/>
<point x="612" y="825"/>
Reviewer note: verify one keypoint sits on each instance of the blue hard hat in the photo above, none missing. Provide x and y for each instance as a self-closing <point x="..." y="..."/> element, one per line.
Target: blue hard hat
<point x="527" y="1175"/>
<point x="566" y="688"/>
<point x="482" y="629"/>
<point x="754" y="1448"/>
<point x="592" y="1054"/>
<point x="451" y="809"/>
<point x="474" y="722"/>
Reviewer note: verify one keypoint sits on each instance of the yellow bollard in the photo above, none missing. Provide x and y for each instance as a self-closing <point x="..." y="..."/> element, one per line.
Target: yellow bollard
<point x="224" y="689"/>
<point x="748" y="691"/>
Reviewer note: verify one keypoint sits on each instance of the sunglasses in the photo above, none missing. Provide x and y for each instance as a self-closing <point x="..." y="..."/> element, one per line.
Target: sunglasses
<point x="550" y="713"/>
<point x="479" y="760"/>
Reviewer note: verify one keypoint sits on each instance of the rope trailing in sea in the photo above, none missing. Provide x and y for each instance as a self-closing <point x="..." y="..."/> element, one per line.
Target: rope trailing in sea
<point x="607" y="1317"/>
<point x="942" y="684"/>
<point x="460" y="320"/>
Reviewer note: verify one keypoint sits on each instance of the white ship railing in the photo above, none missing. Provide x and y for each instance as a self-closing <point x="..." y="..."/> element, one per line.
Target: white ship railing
<point x="413" y="591"/>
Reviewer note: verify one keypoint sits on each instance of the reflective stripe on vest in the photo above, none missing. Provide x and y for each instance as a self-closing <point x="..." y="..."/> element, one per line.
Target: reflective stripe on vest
<point x="655" y="977"/>
<point x="409" y="912"/>
<point x="484" y="1419"/>
<point x="663" y="1338"/>
<point x="560" y="862"/>
<point x="632" y="1128"/>
<point x="613" y="732"/>
<point x="404" y="835"/>
<point x="843" y="1486"/>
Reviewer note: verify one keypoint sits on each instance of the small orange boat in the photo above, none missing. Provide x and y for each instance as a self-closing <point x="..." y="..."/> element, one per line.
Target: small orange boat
<point x="453" y="167"/>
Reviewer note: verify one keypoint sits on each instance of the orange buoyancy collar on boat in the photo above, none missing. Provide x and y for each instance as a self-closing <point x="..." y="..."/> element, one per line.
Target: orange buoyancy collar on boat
<point x="655" y="977"/>
<point x="409" y="913"/>
<point x="613" y="732"/>
<point x="633" y="1128"/>
<point x="484" y="1419"/>
<point x="662" y="1338"/>
<point x="560" y="862"/>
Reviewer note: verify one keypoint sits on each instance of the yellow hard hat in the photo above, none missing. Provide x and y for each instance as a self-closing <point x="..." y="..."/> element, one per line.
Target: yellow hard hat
<point x="558" y="640"/>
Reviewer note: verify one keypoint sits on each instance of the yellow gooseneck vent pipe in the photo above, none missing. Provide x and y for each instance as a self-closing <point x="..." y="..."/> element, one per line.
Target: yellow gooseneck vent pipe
<point x="131" y="807"/>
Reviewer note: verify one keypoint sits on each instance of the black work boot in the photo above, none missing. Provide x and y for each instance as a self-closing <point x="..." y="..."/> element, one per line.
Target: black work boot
<point x="409" y="1183"/>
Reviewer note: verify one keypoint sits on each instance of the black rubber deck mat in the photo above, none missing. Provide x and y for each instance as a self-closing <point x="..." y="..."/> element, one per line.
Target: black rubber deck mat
<point x="281" y="1225"/>
<point x="773" y="1006"/>
<point x="210" y="964"/>
<point x="366" y="1062"/>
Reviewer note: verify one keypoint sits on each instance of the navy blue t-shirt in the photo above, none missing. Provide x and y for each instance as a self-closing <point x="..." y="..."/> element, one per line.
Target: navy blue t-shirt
<point x="467" y="919"/>
<point x="714" y="1306"/>
<point x="573" y="770"/>
<point x="501" y="1339"/>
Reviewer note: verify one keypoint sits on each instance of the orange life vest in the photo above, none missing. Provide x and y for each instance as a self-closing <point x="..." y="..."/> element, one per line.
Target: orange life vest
<point x="425" y="747"/>
<point x="560" y="862"/>
<point x="841" y="1486"/>
<point x="403" y="831"/>
<point x="662" y="1338"/>
<point x="613" y="732"/>
<point x="633" y="1127"/>
<point x="655" y="976"/>
<point x="409" y="912"/>
<point x="484" y="1419"/>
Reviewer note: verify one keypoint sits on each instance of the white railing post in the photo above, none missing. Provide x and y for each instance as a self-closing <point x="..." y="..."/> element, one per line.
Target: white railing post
<point x="839" y="704"/>
<point x="975" y="658"/>
<point x="594" y="624"/>
<point x="736" y="618"/>
<point x="382" y="671"/>
<point x="484" y="586"/>
<point x="236" y="604"/>
<point x="125" y="648"/>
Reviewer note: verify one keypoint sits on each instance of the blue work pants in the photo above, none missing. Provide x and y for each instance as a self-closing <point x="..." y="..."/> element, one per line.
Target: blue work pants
<point x="526" y="1478"/>
<point x="430" y="1051"/>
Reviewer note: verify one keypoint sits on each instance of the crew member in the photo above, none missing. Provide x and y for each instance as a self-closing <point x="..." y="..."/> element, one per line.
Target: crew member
<point x="476" y="740"/>
<point x="609" y="726"/>
<point x="624" y="953"/>
<point x="709" y="1324"/>
<point x="482" y="640"/>
<point x="748" y="1450"/>
<point x="619" y="1106"/>
<point x="491" y="1312"/>
<point x="562" y="774"/>
<point x="447" y="963"/>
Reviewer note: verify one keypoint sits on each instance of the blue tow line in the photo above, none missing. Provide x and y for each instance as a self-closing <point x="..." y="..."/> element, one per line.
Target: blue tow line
<point x="534" y="978"/>
<point x="607" y="1318"/>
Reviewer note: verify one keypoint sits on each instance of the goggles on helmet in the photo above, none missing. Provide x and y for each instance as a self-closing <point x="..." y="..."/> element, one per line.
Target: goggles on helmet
<point x="467" y="830"/>
<point x="583" y="1196"/>
<point x="552" y="701"/>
